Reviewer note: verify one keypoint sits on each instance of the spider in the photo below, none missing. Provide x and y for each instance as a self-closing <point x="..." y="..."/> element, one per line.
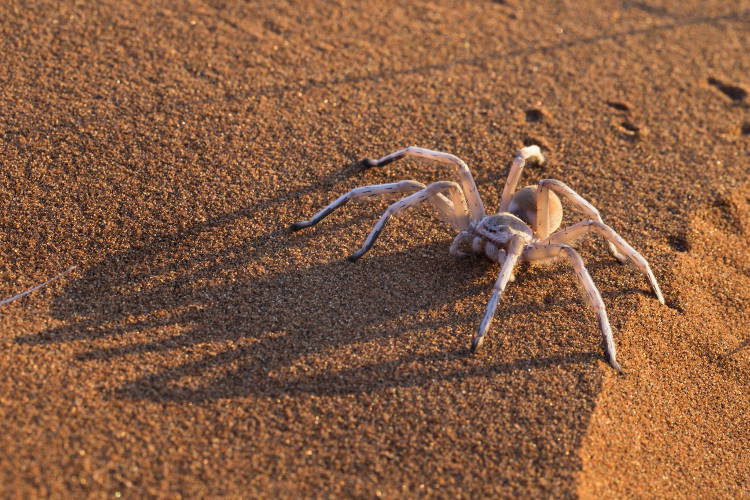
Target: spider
<point x="522" y="230"/>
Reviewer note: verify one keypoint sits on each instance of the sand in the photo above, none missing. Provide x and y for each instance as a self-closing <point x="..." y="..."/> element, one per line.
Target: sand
<point x="201" y="349"/>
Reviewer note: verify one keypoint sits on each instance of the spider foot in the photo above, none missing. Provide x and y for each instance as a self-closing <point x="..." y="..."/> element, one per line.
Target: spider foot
<point x="476" y="343"/>
<point x="296" y="226"/>
<point x="369" y="162"/>
<point x="355" y="256"/>
<point x="614" y="364"/>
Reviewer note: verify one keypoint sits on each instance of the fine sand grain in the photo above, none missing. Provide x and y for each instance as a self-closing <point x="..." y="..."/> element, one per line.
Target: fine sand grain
<point x="201" y="349"/>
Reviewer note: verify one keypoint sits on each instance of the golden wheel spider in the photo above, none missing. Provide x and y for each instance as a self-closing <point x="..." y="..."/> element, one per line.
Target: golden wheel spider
<point x="522" y="230"/>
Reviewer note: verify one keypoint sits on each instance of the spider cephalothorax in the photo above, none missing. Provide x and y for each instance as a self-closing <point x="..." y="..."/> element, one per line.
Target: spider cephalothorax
<point x="522" y="230"/>
<point x="500" y="228"/>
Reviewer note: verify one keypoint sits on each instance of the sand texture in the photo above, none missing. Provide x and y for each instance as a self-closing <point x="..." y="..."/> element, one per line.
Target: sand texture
<point x="201" y="349"/>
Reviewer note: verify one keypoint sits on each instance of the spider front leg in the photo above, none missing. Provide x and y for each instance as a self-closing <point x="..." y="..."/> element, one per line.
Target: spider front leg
<point x="430" y="192"/>
<point x="543" y="229"/>
<point x="361" y="192"/>
<point x="506" y="272"/>
<point x="576" y="231"/>
<point x="468" y="186"/>
<point x="590" y="292"/>
<point x="514" y="175"/>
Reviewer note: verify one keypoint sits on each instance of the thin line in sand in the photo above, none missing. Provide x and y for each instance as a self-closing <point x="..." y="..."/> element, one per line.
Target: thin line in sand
<point x="37" y="287"/>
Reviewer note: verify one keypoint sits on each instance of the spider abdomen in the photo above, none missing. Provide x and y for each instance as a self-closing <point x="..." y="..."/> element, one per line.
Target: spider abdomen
<point x="523" y="206"/>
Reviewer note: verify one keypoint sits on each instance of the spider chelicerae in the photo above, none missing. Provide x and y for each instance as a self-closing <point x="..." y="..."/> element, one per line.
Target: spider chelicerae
<point x="522" y="230"/>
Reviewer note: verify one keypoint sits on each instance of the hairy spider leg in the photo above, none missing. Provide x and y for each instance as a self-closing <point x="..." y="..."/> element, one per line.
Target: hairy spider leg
<point x="576" y="231"/>
<point x="468" y="186"/>
<point x="374" y="190"/>
<point x="514" y="252"/>
<point x="514" y="175"/>
<point x="430" y="192"/>
<point x="590" y="292"/>
<point x="543" y="216"/>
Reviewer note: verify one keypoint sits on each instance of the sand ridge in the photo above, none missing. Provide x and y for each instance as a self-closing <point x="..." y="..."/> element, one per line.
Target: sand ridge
<point x="692" y="378"/>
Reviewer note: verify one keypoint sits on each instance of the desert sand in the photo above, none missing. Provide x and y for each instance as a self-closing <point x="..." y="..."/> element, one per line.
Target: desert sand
<point x="201" y="349"/>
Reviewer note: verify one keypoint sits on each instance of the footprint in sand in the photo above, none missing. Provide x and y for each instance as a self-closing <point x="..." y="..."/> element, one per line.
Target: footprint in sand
<point x="738" y="96"/>
<point x="627" y="128"/>
<point x="619" y="106"/>
<point x="679" y="243"/>
<point x="735" y="93"/>
<point x="533" y="116"/>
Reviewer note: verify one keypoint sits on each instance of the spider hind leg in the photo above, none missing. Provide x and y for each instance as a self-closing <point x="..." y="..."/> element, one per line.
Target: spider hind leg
<point x="589" y="291"/>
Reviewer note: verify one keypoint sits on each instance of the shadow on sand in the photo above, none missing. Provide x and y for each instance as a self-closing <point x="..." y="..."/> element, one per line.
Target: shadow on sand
<point x="265" y="322"/>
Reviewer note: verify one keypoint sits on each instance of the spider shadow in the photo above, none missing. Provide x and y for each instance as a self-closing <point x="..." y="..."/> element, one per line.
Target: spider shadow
<point x="737" y="349"/>
<point x="201" y="315"/>
<point x="263" y="323"/>
<point x="170" y="298"/>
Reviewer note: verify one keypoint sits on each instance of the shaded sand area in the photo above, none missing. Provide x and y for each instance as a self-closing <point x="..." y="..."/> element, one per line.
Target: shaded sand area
<point x="201" y="349"/>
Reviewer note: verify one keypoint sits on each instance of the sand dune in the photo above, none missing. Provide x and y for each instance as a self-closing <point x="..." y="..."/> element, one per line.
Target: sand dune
<point x="201" y="349"/>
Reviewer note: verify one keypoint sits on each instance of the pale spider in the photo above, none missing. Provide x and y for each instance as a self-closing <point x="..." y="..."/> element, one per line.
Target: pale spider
<point x="520" y="231"/>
